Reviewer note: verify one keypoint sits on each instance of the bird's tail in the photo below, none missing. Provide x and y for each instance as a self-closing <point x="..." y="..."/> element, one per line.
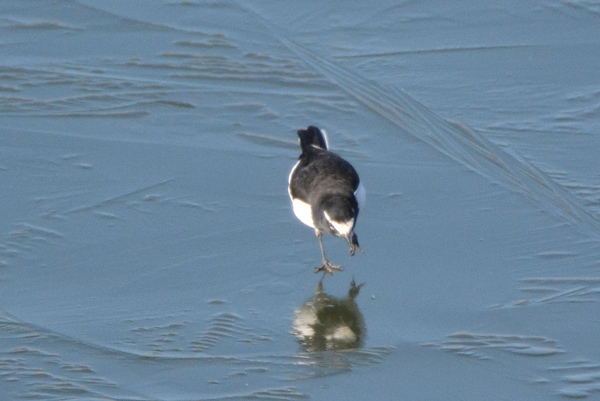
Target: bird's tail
<point x="313" y="136"/>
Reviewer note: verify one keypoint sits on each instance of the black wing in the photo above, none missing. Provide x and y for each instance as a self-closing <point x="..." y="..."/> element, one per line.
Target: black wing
<point x="324" y="171"/>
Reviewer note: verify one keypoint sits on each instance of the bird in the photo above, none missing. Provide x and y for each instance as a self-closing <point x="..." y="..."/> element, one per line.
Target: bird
<point x="326" y="192"/>
<point x="325" y="322"/>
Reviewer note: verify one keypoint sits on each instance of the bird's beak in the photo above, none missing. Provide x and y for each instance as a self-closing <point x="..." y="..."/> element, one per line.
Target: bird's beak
<point x="348" y="238"/>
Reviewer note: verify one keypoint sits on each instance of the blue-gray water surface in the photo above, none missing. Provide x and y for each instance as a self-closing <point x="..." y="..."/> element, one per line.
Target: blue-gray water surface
<point x="148" y="249"/>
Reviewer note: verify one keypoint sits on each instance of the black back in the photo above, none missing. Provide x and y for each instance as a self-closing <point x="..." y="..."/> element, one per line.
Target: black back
<point x="319" y="171"/>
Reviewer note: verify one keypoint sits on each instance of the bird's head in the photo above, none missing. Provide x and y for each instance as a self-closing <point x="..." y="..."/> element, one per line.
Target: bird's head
<point x="338" y="216"/>
<point x="341" y="228"/>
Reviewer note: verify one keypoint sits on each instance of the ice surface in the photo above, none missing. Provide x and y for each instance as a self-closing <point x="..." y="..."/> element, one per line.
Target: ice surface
<point x="148" y="249"/>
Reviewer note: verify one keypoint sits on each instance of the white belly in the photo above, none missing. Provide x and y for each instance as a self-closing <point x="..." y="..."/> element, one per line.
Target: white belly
<point x="303" y="212"/>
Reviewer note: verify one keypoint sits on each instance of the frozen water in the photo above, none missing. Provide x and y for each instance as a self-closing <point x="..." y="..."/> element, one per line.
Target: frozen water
<point x="148" y="248"/>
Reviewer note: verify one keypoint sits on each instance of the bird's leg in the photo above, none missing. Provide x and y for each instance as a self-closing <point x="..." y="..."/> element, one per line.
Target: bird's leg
<point x="354" y="245"/>
<point x="327" y="267"/>
<point x="354" y="289"/>
<point x="320" y="285"/>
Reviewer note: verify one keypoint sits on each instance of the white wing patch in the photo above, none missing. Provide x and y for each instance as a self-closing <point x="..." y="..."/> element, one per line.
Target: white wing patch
<point x="361" y="195"/>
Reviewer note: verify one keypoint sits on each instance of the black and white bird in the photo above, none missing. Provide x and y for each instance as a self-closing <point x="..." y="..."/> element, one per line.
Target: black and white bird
<point x="325" y="191"/>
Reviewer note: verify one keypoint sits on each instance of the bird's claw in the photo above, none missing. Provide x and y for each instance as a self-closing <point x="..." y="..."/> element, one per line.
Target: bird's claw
<point x="328" y="268"/>
<point x="354" y="245"/>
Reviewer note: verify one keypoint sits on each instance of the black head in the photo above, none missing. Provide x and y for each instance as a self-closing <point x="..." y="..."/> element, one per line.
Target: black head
<point x="336" y="215"/>
<point x="312" y="136"/>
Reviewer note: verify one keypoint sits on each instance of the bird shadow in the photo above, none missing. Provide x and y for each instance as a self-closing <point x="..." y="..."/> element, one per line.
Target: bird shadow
<point x="325" y="322"/>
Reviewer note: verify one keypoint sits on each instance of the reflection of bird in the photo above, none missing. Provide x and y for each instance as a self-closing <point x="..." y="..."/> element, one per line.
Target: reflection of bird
<point x="328" y="323"/>
<point x="325" y="192"/>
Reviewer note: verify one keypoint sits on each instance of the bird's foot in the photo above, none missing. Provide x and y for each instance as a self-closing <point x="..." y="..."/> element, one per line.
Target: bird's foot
<point x="354" y="245"/>
<point x="354" y="289"/>
<point x="328" y="267"/>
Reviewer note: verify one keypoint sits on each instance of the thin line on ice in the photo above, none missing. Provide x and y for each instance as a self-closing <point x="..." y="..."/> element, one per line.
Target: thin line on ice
<point x="454" y="140"/>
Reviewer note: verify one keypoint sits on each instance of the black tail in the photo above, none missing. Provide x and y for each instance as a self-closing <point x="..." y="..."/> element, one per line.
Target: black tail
<point x="312" y="136"/>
